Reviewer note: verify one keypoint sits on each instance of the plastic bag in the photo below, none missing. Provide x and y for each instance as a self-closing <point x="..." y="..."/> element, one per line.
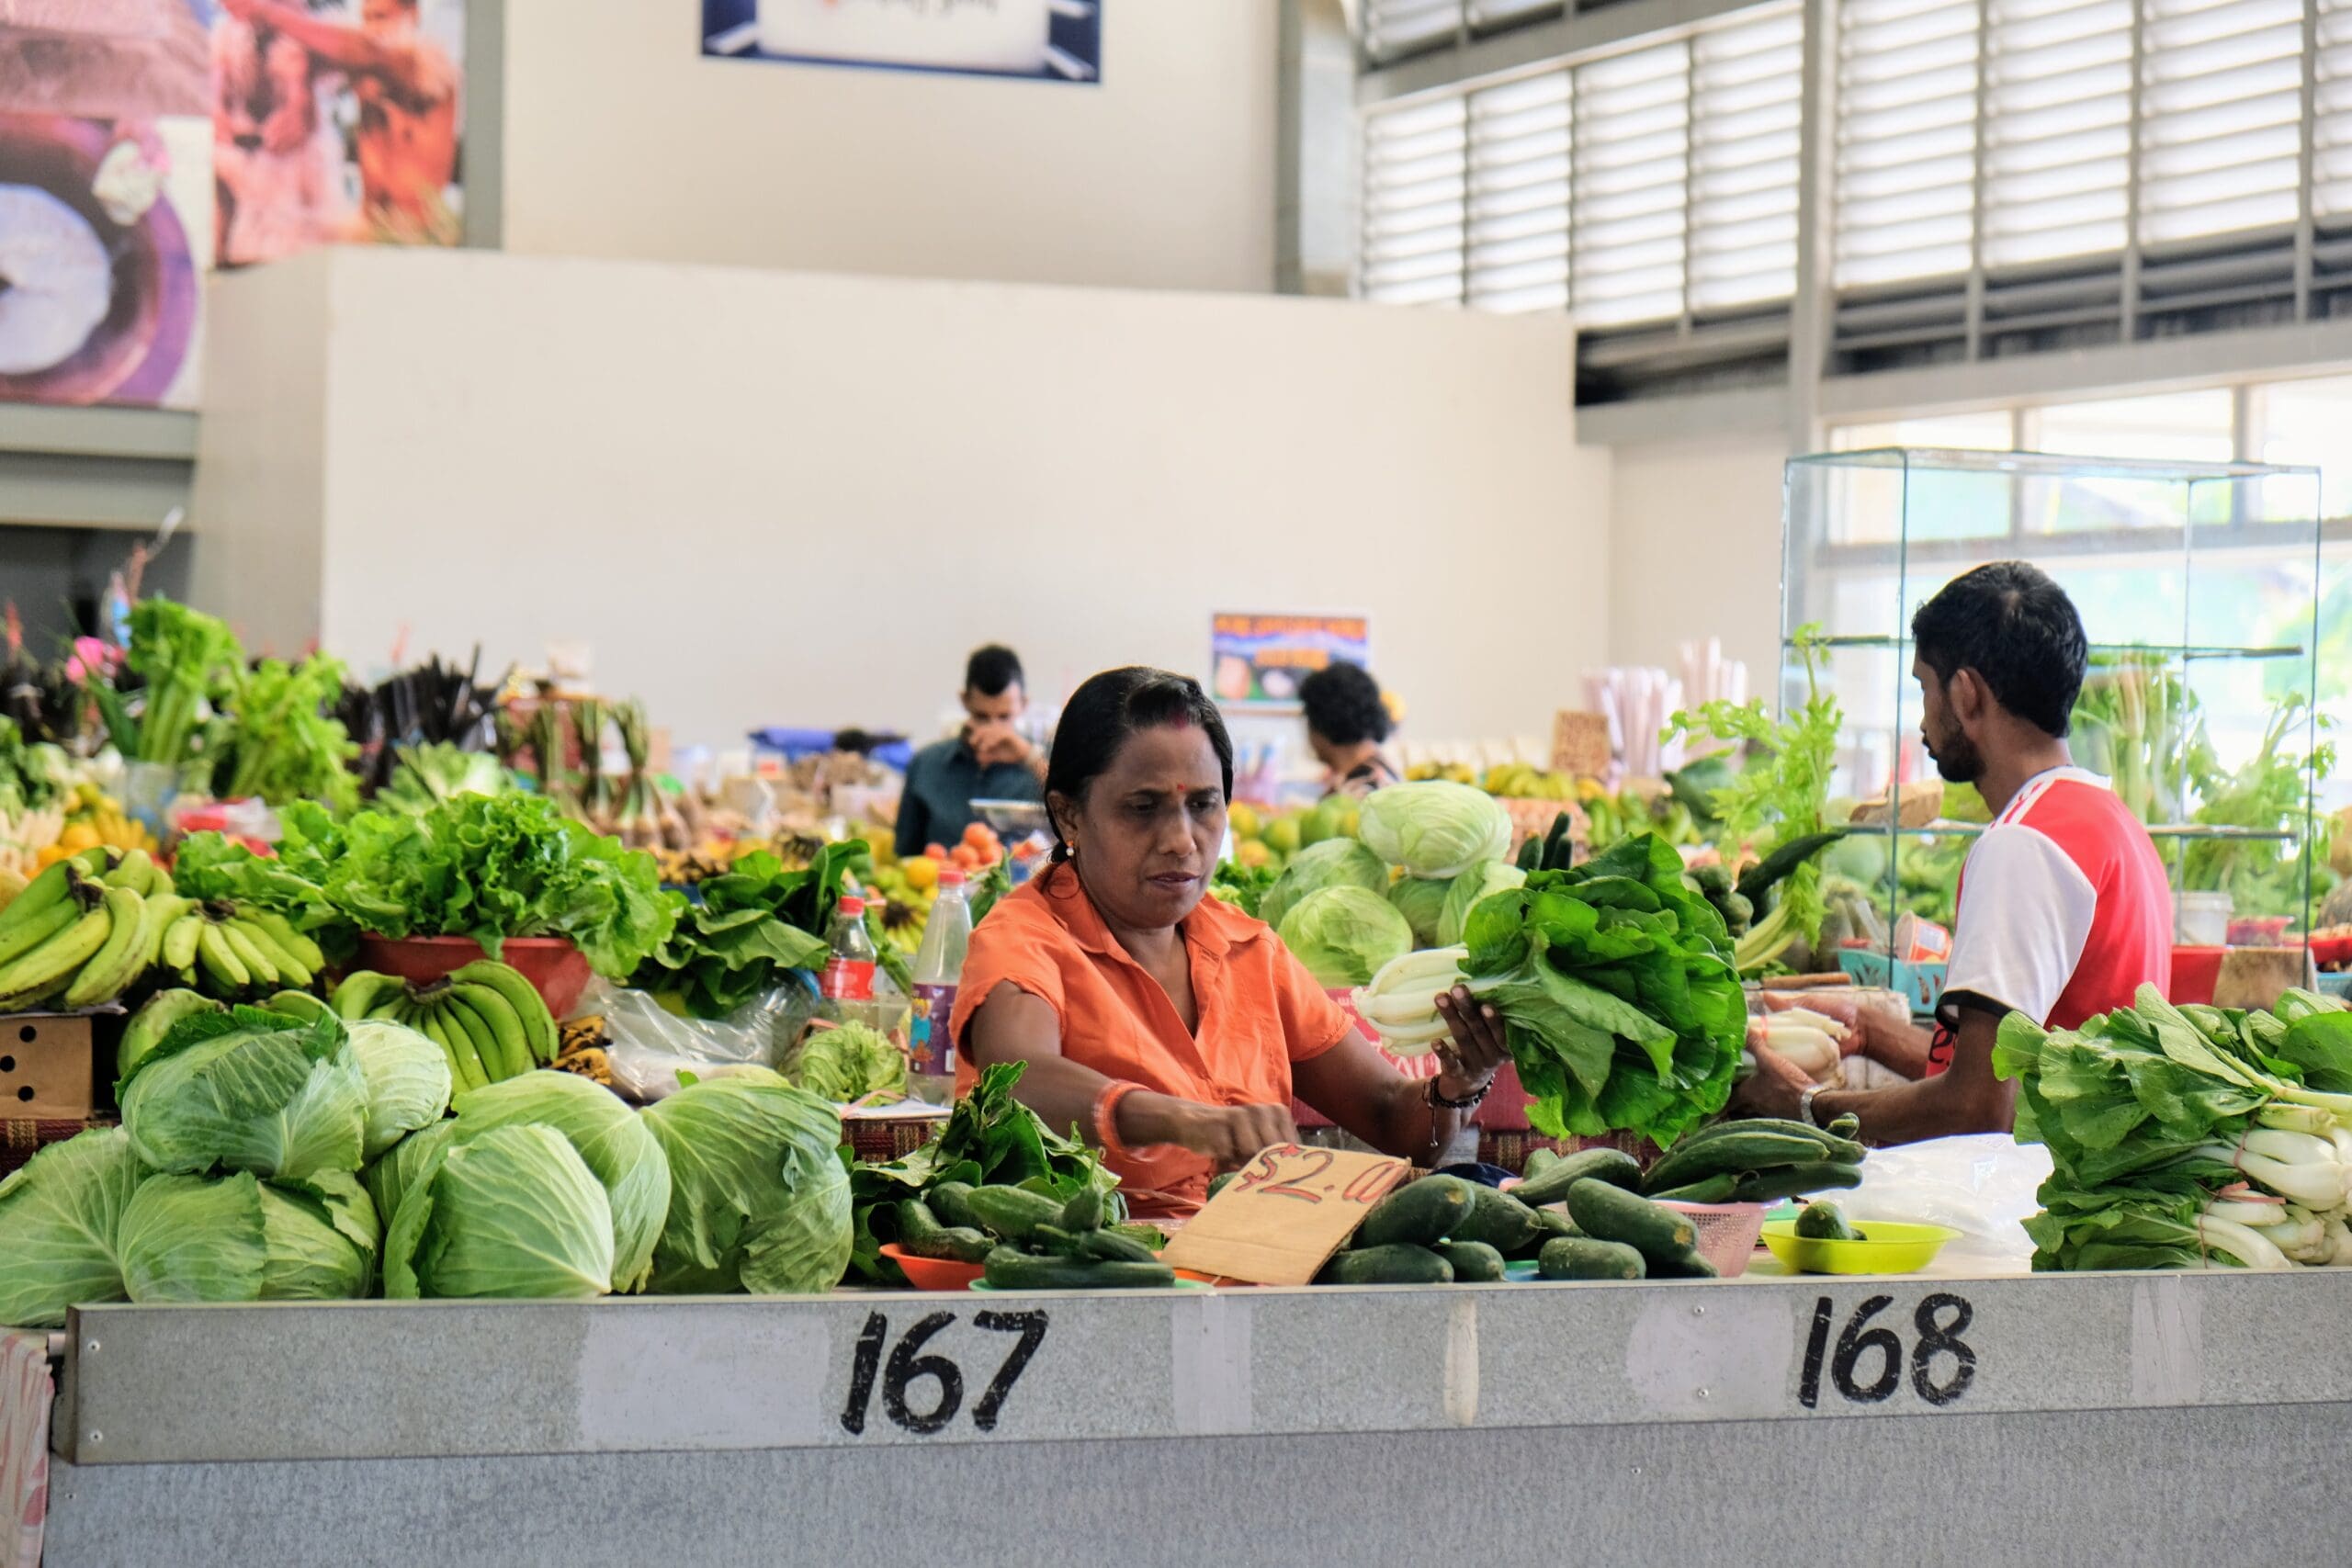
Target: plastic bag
<point x="648" y="1045"/>
<point x="1982" y="1185"/>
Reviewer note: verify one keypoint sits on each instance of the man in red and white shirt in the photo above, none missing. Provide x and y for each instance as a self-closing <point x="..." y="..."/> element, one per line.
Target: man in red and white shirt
<point x="2064" y="909"/>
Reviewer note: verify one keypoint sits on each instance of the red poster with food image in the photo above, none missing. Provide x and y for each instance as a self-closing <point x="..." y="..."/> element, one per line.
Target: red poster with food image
<point x="143" y="142"/>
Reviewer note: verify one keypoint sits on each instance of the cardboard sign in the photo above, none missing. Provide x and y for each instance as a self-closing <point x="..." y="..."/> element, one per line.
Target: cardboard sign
<point x="1280" y="1220"/>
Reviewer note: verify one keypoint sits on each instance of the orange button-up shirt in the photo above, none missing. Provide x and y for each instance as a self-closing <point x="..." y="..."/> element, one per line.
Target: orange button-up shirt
<point x="1260" y="1012"/>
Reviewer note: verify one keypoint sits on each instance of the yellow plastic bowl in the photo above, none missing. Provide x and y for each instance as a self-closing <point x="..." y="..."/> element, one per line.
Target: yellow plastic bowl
<point x="1885" y="1247"/>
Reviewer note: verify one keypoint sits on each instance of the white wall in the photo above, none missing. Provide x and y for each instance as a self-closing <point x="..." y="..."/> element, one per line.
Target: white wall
<point x="622" y="140"/>
<point x="1695" y="551"/>
<point x="782" y="498"/>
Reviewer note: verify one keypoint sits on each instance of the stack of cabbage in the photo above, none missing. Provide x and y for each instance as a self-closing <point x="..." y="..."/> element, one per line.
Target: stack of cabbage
<point x="1427" y="851"/>
<point x="242" y="1173"/>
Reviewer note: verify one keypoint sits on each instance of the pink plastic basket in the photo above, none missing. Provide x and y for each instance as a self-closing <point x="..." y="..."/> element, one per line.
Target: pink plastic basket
<point x="1728" y="1233"/>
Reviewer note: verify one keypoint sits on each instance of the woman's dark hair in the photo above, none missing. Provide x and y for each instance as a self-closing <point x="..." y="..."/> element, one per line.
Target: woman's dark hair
<point x="1101" y="716"/>
<point x="2017" y="630"/>
<point x="1344" y="705"/>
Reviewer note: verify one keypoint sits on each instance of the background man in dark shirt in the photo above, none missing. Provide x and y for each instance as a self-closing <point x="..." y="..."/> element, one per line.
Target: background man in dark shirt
<point x="990" y="759"/>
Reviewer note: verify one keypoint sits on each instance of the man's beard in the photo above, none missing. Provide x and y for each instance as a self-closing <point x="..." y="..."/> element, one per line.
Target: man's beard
<point x="1957" y="758"/>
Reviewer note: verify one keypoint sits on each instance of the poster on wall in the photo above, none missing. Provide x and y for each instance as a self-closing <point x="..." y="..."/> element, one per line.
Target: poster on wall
<point x="1048" y="40"/>
<point x="1258" y="660"/>
<point x="144" y="142"/>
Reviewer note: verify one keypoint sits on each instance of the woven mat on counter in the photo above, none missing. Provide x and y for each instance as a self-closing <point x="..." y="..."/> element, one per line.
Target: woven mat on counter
<point x="22" y="1136"/>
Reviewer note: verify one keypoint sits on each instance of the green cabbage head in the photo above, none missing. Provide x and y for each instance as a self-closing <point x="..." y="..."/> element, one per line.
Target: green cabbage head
<point x="397" y="1168"/>
<point x="511" y="1210"/>
<point x="1485" y="877"/>
<point x="1420" y="901"/>
<point x="249" y="1090"/>
<point x="235" y="1238"/>
<point x="1344" y="935"/>
<point x="59" y="1216"/>
<point x="613" y="1139"/>
<point x="408" y="1081"/>
<point x="1434" y="828"/>
<point x="759" y="1199"/>
<point x="1334" y="863"/>
<point x="850" y="1063"/>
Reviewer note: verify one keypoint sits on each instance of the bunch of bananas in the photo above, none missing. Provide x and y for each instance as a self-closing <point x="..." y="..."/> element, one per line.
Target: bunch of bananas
<point x="490" y="1021"/>
<point x="234" y="950"/>
<point x="1523" y="781"/>
<point x="85" y="930"/>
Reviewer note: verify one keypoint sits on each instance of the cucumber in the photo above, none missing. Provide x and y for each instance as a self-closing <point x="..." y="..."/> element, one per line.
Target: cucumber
<point x="1612" y="1166"/>
<point x="1497" y="1219"/>
<point x="1847" y="1126"/>
<point x="1734" y="1153"/>
<point x="1109" y="1246"/>
<point x="1417" y="1214"/>
<point x="1010" y="1269"/>
<point x="1581" y="1258"/>
<point x="1082" y="1211"/>
<point x="1151" y="1236"/>
<point x="1472" y="1262"/>
<point x="960" y="1243"/>
<point x="947" y="1200"/>
<point x="1611" y="1213"/>
<point x="1053" y="1241"/>
<point x="1395" y="1263"/>
<point x="1011" y="1212"/>
<point x="916" y="1224"/>
<point x="1220" y="1184"/>
<point x="1538" y="1162"/>
<point x="1836" y="1140"/>
<point x="1550" y="1225"/>
<point x="1713" y="1189"/>
<point x="1795" y="1181"/>
<point x="1825" y="1221"/>
<point x="1684" y="1264"/>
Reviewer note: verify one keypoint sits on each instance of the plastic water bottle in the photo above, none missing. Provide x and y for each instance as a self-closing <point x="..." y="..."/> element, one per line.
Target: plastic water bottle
<point x="931" y="1044"/>
<point x="846" y="985"/>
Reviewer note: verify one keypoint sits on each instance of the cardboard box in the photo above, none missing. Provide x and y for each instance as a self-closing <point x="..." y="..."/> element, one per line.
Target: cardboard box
<point x="48" y="1067"/>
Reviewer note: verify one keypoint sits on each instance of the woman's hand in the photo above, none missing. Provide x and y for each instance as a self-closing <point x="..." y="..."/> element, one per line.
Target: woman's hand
<point x="1228" y="1136"/>
<point x="1474" y="1048"/>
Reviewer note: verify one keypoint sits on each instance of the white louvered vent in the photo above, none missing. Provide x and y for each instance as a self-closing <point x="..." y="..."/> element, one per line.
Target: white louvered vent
<point x="2057" y="129"/>
<point x="1413" y="206"/>
<point x="1906" y="140"/>
<point x="1392" y="27"/>
<point x="1747" y="81"/>
<point x="1520" y="143"/>
<point x="1632" y="160"/>
<point x="2221" y="106"/>
<point x="2331" y="142"/>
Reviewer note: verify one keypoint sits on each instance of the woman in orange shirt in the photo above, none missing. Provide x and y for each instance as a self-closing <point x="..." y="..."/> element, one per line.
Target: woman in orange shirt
<point x="1170" y="1028"/>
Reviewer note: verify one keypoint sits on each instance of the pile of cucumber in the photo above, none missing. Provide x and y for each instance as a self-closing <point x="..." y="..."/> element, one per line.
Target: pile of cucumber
<point x="1443" y="1230"/>
<point x="1757" y="1161"/>
<point x="1028" y="1241"/>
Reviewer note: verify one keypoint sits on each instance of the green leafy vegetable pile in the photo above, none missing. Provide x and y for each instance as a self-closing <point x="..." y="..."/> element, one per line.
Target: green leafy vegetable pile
<point x="31" y="776"/>
<point x="184" y="660"/>
<point x="2184" y="1137"/>
<point x="1244" y="886"/>
<point x="272" y="737"/>
<point x="850" y="1063"/>
<point x="1615" y="983"/>
<point x="990" y="1139"/>
<point x="751" y="924"/>
<point x="438" y="770"/>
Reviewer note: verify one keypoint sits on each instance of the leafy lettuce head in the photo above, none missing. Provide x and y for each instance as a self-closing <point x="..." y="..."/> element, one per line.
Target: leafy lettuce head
<point x="1344" y="935"/>
<point x="248" y="1089"/>
<point x="759" y="1199"/>
<point x="1434" y="828"/>
<point x="850" y="1063"/>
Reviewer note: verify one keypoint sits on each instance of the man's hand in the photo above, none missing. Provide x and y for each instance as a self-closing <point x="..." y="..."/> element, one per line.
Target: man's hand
<point x="1774" y="1089"/>
<point x="995" y="743"/>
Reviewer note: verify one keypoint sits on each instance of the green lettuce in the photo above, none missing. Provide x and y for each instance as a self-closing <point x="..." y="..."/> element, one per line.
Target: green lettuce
<point x="513" y="1212"/>
<point x="489" y="867"/>
<point x="850" y="1063"/>
<point x="759" y="1201"/>
<point x="248" y="1089"/>
<point x="752" y="923"/>
<point x="59" y="1213"/>
<point x="1616" y="991"/>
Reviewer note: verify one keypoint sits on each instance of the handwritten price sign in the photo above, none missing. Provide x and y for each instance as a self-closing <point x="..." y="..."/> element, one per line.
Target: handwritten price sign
<point x="1280" y="1220"/>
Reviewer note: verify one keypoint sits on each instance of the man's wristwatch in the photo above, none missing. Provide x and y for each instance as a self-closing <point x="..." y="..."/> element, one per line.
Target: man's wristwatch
<point x="1805" y="1108"/>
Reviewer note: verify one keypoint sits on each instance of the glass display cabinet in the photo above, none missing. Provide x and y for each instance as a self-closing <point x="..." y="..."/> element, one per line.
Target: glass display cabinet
<point x="2199" y="588"/>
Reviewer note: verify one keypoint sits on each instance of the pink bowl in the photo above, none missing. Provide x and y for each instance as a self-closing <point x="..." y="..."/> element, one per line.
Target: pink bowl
<point x="556" y="968"/>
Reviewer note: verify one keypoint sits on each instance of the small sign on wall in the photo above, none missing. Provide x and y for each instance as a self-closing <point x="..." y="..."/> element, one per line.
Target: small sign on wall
<point x="1049" y="40"/>
<point x="1261" y="659"/>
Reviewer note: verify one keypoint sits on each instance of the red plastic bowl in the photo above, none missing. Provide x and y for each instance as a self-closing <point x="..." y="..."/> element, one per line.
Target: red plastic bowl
<point x="2194" y="972"/>
<point x="932" y="1273"/>
<point x="556" y="968"/>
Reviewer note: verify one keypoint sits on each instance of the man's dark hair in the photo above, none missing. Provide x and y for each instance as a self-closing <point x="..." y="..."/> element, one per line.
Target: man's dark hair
<point x="2017" y="630"/>
<point x="992" y="669"/>
<point x="1344" y="705"/>
<point x="1109" y="708"/>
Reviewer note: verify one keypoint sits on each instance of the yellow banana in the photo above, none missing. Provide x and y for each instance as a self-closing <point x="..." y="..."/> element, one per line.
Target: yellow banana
<point x="222" y="966"/>
<point x="257" y="964"/>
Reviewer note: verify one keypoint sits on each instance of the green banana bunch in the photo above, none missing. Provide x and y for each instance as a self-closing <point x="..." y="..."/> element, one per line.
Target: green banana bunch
<point x="232" y="951"/>
<point x="84" y="931"/>
<point x="489" y="1021"/>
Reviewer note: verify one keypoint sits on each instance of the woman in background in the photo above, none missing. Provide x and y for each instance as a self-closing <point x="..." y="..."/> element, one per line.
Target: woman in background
<point x="1347" y="720"/>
